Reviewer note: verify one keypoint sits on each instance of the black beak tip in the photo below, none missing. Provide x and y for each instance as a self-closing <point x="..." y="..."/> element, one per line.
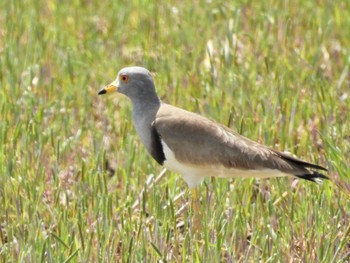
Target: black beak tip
<point x="102" y="91"/>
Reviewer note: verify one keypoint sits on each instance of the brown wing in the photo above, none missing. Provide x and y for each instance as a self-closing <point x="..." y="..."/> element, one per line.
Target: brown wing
<point x="197" y="140"/>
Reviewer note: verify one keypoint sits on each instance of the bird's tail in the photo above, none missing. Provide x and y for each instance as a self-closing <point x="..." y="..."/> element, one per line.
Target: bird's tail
<point x="313" y="176"/>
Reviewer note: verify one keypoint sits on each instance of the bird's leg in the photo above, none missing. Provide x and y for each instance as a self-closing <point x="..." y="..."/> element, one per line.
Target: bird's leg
<point x="196" y="211"/>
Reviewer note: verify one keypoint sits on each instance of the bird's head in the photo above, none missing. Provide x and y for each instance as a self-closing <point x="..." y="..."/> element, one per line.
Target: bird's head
<point x="134" y="82"/>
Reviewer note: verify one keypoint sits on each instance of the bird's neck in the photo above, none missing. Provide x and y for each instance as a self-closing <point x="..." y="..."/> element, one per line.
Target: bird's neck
<point x="143" y="114"/>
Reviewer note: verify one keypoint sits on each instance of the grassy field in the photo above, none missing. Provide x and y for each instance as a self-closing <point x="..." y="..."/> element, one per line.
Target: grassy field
<point x="72" y="167"/>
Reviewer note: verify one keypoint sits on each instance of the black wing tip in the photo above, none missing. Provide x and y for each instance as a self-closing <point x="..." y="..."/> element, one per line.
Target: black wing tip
<point x="299" y="162"/>
<point x="315" y="177"/>
<point x="319" y="167"/>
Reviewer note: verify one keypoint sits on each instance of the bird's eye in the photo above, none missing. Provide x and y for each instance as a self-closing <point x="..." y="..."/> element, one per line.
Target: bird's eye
<point x="124" y="78"/>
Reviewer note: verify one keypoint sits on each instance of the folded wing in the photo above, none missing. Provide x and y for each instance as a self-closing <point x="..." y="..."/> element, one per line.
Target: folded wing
<point x="197" y="140"/>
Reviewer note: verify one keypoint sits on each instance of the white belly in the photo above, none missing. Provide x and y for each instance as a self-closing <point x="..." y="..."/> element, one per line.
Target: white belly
<point x="194" y="174"/>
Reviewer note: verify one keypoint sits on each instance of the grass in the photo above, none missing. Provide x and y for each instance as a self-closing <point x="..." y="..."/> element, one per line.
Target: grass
<point x="72" y="167"/>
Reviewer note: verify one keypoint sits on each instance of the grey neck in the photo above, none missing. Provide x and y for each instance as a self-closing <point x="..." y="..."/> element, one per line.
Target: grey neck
<point x="143" y="114"/>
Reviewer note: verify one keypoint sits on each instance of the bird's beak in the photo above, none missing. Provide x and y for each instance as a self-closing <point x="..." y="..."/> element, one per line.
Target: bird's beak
<point x="109" y="88"/>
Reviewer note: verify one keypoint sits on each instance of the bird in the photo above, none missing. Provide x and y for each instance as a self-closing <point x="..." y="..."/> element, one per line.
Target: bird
<point x="195" y="146"/>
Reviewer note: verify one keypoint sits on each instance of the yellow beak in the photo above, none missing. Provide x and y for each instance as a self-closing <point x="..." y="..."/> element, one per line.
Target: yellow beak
<point x="109" y="88"/>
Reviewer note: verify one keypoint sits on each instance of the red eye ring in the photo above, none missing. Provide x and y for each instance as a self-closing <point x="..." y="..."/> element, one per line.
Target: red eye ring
<point x="124" y="78"/>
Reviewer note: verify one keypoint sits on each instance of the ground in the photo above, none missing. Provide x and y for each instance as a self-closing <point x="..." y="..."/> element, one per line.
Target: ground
<point x="76" y="185"/>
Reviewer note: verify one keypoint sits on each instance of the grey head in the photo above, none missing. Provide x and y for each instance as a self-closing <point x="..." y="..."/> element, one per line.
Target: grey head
<point x="134" y="82"/>
<point x="137" y="84"/>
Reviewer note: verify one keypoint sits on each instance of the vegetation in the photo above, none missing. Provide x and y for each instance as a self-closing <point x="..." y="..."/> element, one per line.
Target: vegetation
<point x="75" y="181"/>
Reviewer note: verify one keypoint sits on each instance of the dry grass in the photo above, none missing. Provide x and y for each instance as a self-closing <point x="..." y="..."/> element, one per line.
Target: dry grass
<point x="72" y="168"/>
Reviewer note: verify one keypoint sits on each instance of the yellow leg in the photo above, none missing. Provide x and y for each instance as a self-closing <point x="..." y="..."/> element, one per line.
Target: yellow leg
<point x="196" y="211"/>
